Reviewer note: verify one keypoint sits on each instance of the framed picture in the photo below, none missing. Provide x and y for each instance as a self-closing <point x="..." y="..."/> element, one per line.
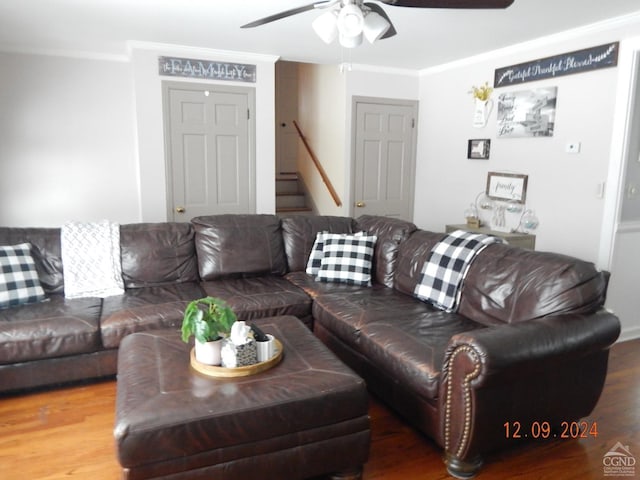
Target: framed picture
<point x="529" y="113"/>
<point x="510" y="187"/>
<point x="478" y="149"/>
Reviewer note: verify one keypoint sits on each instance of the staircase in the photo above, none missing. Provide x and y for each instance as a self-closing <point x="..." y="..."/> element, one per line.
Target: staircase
<point x="290" y="196"/>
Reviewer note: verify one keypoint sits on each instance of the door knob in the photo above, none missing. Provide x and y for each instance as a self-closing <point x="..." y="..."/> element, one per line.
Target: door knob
<point x="360" y="204"/>
<point x="180" y="210"/>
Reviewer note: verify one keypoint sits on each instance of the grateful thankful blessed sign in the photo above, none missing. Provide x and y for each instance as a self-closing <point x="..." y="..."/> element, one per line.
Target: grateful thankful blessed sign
<point x="594" y="58"/>
<point x="188" y="67"/>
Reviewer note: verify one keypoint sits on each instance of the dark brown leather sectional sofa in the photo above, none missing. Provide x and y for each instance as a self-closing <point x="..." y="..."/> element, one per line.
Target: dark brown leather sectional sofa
<point x="528" y="344"/>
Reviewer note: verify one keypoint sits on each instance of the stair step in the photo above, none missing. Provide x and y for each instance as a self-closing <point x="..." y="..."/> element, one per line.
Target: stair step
<point x="287" y="185"/>
<point x="292" y="210"/>
<point x="288" y="194"/>
<point x="290" y="200"/>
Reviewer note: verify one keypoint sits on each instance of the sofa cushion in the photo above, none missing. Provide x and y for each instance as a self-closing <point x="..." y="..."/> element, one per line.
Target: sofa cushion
<point x="299" y="234"/>
<point x="509" y="284"/>
<point x="411" y="348"/>
<point x="391" y="233"/>
<point x="45" y="250"/>
<point x="157" y="254"/>
<point x="398" y="334"/>
<point x="260" y="297"/>
<point x="412" y="254"/>
<point x="57" y="327"/>
<point x="344" y="313"/>
<point x="239" y="246"/>
<point x="19" y="284"/>
<point x="347" y="259"/>
<point x="313" y="287"/>
<point x="146" y="308"/>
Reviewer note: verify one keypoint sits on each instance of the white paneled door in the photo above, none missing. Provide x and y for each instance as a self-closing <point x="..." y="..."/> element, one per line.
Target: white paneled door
<point x="384" y="157"/>
<point x="208" y="144"/>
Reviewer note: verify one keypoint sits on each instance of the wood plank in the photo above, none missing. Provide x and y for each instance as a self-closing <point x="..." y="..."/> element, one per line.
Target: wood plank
<point x="68" y="433"/>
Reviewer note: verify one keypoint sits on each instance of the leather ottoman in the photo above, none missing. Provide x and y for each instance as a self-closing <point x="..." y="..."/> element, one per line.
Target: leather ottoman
<point x="305" y="417"/>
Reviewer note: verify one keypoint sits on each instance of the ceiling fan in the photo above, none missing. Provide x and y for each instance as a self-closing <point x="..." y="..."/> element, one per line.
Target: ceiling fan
<point x="350" y="20"/>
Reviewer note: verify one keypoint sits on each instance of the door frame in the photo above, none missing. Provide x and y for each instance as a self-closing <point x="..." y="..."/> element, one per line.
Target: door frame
<point x="614" y="231"/>
<point x="166" y="85"/>
<point x="355" y="100"/>
<point x="626" y="89"/>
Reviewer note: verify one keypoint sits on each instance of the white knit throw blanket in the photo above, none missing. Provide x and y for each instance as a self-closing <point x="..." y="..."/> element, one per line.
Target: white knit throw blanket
<point x="91" y="259"/>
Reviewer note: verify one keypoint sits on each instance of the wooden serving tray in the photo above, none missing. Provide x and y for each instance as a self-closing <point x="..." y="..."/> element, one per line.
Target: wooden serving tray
<point x="245" y="371"/>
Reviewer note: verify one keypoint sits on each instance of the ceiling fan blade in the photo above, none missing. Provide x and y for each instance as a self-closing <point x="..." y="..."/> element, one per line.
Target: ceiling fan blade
<point x="278" y="16"/>
<point x="391" y="31"/>
<point x="449" y="3"/>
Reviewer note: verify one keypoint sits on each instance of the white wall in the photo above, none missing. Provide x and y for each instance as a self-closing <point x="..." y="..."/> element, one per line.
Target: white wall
<point x="148" y="101"/>
<point x="321" y="114"/>
<point x="562" y="187"/>
<point x="82" y="138"/>
<point x="591" y="109"/>
<point x="67" y="149"/>
<point x="325" y="111"/>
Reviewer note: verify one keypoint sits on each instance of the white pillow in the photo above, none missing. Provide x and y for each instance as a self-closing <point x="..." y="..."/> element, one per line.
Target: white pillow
<point x="315" y="257"/>
<point x="347" y="259"/>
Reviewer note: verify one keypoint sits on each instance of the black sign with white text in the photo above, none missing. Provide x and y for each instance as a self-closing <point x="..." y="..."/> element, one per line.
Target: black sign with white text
<point x="594" y="58"/>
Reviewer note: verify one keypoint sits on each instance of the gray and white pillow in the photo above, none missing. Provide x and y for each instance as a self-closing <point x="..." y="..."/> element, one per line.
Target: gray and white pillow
<point x="315" y="257"/>
<point x="19" y="282"/>
<point x="347" y="259"/>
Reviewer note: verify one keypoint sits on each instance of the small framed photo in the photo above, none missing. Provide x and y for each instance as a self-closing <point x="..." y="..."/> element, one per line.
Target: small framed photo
<point x="511" y="187"/>
<point x="478" y="149"/>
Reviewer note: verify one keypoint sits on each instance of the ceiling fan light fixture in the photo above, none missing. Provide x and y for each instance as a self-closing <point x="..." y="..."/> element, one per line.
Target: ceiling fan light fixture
<point x="350" y="42"/>
<point x="326" y="26"/>
<point x="375" y="26"/>
<point x="350" y="21"/>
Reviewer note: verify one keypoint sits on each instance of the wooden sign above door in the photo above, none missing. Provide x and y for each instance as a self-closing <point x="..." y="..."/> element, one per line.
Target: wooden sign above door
<point x="212" y="70"/>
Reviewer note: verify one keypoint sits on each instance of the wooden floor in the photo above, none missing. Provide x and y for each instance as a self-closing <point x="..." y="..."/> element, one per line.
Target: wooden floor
<point x="67" y="433"/>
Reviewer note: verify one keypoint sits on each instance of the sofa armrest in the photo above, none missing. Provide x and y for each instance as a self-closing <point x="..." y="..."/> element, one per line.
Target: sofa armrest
<point x="510" y="346"/>
<point x="551" y="369"/>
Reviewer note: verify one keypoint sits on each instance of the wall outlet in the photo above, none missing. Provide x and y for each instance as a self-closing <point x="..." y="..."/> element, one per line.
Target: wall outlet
<point x="572" y="147"/>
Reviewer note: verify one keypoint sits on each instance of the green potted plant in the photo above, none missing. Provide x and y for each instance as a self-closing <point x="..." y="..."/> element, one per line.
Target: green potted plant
<point x="209" y="320"/>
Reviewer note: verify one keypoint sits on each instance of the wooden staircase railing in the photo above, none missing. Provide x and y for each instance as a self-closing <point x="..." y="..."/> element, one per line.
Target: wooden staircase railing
<point x="316" y="162"/>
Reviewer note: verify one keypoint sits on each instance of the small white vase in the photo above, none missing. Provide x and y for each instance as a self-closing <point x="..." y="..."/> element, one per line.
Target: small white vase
<point x="209" y="352"/>
<point x="481" y="112"/>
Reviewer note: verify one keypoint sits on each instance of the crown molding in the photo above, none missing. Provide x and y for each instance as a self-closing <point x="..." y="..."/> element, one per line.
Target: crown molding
<point x="541" y="42"/>
<point x="358" y="67"/>
<point x="205" y="52"/>
<point x="76" y="54"/>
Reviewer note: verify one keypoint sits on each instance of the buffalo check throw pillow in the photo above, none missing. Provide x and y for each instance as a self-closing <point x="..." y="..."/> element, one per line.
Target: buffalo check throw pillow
<point x="347" y="259"/>
<point x="19" y="283"/>
<point x="443" y="272"/>
<point x="317" y="251"/>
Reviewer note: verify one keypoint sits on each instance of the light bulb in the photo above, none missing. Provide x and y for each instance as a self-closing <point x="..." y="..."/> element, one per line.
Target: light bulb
<point x="350" y="21"/>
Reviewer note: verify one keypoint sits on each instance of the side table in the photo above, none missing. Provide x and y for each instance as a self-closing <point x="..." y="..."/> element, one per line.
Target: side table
<point x="516" y="239"/>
